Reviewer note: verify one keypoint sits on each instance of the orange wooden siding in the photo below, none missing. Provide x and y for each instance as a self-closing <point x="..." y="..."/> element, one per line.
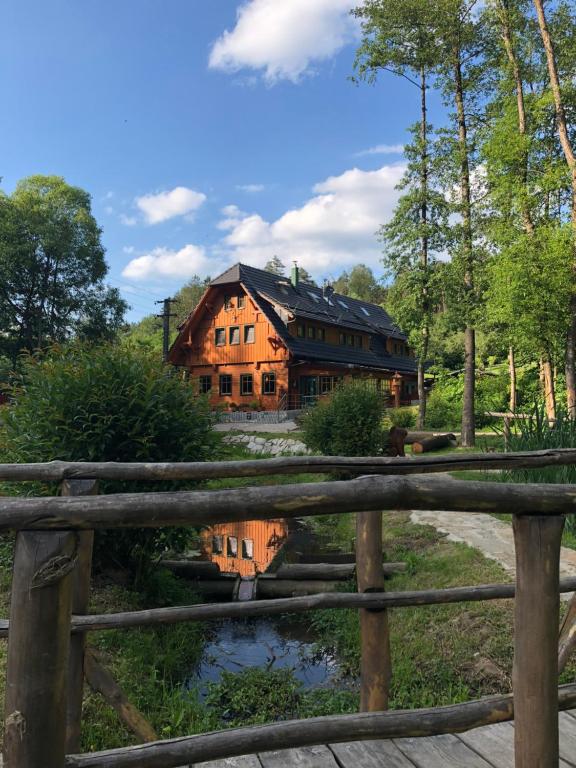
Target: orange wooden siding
<point x="262" y="538"/>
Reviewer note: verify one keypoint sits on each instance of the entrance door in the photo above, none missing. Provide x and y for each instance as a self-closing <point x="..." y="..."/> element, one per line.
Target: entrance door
<point x="308" y="389"/>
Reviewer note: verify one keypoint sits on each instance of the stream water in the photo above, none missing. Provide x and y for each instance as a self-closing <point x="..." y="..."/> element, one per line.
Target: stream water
<point x="275" y="642"/>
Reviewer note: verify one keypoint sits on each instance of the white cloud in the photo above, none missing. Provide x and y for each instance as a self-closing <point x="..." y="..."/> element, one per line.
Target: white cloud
<point x="128" y="221"/>
<point x="283" y="39"/>
<point x="162" y="206"/>
<point x="167" y="263"/>
<point x="382" y="149"/>
<point x="335" y="228"/>
<point x="250" y="187"/>
<point x="128" y="249"/>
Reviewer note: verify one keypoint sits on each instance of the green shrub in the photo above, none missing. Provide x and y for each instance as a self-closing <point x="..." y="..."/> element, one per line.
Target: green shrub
<point x="347" y="423"/>
<point x="107" y="403"/>
<point x="442" y="412"/>
<point x="444" y="406"/>
<point x="402" y="417"/>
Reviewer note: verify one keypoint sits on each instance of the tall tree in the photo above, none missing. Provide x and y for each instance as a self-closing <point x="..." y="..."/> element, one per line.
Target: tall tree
<point x="400" y="37"/>
<point x="360" y="283"/>
<point x="52" y="268"/>
<point x="276" y="266"/>
<point x="460" y="44"/>
<point x="568" y="148"/>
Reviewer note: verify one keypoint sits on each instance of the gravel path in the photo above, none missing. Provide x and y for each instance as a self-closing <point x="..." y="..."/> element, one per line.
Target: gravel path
<point x="492" y="537"/>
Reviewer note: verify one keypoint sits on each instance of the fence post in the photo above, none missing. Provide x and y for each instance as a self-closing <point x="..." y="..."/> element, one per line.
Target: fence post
<point x="375" y="664"/>
<point x="80" y="599"/>
<point x="38" y="649"/>
<point x="536" y="617"/>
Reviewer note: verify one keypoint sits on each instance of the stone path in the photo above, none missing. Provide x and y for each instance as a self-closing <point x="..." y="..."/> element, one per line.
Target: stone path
<point x="491" y="536"/>
<point x="256" y="426"/>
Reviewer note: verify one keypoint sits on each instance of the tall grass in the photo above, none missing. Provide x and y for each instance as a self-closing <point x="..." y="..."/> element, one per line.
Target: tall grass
<point x="538" y="433"/>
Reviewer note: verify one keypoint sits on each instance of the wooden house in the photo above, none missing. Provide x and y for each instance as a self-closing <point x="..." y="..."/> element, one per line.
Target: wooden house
<point x="259" y="340"/>
<point x="245" y="547"/>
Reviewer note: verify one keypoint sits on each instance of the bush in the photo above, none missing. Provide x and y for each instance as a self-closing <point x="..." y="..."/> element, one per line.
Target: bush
<point x="347" y="423"/>
<point x="402" y="417"/>
<point x="107" y="403"/>
<point x="444" y="405"/>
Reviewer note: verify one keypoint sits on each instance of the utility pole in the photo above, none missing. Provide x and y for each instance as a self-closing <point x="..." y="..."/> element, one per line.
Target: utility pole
<point x="166" y="315"/>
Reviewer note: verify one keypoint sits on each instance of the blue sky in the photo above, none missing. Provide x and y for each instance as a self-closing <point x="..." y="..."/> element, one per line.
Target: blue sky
<point x="206" y="132"/>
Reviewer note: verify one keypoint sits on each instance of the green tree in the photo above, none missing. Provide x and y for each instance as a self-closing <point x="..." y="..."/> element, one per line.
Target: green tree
<point x="400" y="37"/>
<point x="276" y="266"/>
<point x="360" y="283"/>
<point x="52" y="268"/>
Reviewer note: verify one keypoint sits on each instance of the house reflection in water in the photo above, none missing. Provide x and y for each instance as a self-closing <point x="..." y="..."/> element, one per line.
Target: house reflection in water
<point x="246" y="547"/>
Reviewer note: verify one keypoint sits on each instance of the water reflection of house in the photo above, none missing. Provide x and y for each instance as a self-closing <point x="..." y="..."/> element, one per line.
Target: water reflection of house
<point x="246" y="547"/>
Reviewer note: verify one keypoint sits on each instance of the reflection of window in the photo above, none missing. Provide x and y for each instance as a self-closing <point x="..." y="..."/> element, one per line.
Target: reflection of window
<point x="247" y="549"/>
<point x="268" y="383"/>
<point x="217" y="545"/>
<point x="321" y="334"/>
<point x="226" y="384"/>
<point x="220" y="335"/>
<point x="311" y="332"/>
<point x="350" y="339"/>
<point x="248" y="334"/>
<point x="228" y="302"/>
<point x="232" y="546"/>
<point x="234" y="335"/>
<point x="246" y="384"/>
<point x="241" y="302"/>
<point x="205" y="384"/>
<point x="301" y="331"/>
<point x="342" y="338"/>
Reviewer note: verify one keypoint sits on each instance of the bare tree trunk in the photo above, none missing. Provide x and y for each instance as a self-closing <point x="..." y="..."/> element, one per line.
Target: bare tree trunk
<point x="547" y="379"/>
<point x="569" y="154"/>
<point x="468" y="424"/>
<point x="424" y="253"/>
<point x="512" y="369"/>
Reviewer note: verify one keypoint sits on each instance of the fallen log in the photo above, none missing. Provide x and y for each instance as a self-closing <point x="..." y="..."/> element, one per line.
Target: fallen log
<point x="433" y="443"/>
<point x="329" y="571"/>
<point x="192" y="569"/>
<point x="101" y="681"/>
<point x="328" y="557"/>
<point x="271" y="587"/>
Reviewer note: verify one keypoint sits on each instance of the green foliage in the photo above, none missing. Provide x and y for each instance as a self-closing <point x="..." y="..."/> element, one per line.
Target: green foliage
<point x="347" y="423"/>
<point x="402" y="417"/>
<point x="109" y="403"/>
<point x="444" y="407"/>
<point x="360" y="283"/>
<point x="276" y="266"/>
<point x="52" y="268"/>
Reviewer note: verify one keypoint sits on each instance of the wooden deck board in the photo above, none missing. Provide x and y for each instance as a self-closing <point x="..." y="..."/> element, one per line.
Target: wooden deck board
<point x="305" y="757"/>
<point x="370" y="754"/>
<point x="248" y="761"/>
<point x="444" y="751"/>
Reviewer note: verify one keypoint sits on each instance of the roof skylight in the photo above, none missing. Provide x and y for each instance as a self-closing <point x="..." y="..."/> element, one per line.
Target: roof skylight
<point x="365" y="311"/>
<point x="343" y="304"/>
<point x="313" y="296"/>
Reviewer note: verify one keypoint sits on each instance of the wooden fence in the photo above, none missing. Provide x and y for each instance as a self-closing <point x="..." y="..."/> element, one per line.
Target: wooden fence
<point x="47" y="628"/>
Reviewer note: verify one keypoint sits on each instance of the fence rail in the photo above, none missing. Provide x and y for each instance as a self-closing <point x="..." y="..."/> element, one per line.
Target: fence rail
<point x="51" y="574"/>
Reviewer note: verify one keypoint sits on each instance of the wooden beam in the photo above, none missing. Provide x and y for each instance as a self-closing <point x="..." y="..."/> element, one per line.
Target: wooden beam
<point x="375" y="661"/>
<point x="80" y="601"/>
<point x="101" y="681"/>
<point x="536" y="615"/>
<point x="38" y="650"/>
<point x="55" y="471"/>
<point x="195" y="508"/>
<point x="318" y="730"/>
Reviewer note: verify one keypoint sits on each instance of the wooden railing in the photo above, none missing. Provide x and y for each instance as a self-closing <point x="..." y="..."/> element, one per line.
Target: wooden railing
<point x="51" y="577"/>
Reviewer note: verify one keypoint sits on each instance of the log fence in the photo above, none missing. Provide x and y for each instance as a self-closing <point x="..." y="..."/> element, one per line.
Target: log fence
<point x="47" y="657"/>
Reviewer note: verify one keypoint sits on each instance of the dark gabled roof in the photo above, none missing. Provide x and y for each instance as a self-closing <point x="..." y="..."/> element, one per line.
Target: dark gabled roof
<point x="308" y="301"/>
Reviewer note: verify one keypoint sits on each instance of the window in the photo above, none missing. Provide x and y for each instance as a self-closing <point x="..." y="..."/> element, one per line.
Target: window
<point x="365" y="311"/>
<point x="343" y="304"/>
<point x="246" y="384"/>
<point x="248" y="334"/>
<point x="204" y="384"/>
<point x="313" y="296"/>
<point x="328" y="383"/>
<point x="301" y="330"/>
<point x="226" y="384"/>
<point x="311" y="332"/>
<point x="247" y="549"/>
<point x="350" y="339"/>
<point x="268" y="383"/>
<point x="342" y="338"/>
<point x="232" y="548"/>
<point x="220" y="337"/>
<point x="234" y="334"/>
<point x="241" y="301"/>
<point x="359" y="341"/>
<point x="217" y="545"/>
<point x="321" y="334"/>
<point x="228" y="302"/>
